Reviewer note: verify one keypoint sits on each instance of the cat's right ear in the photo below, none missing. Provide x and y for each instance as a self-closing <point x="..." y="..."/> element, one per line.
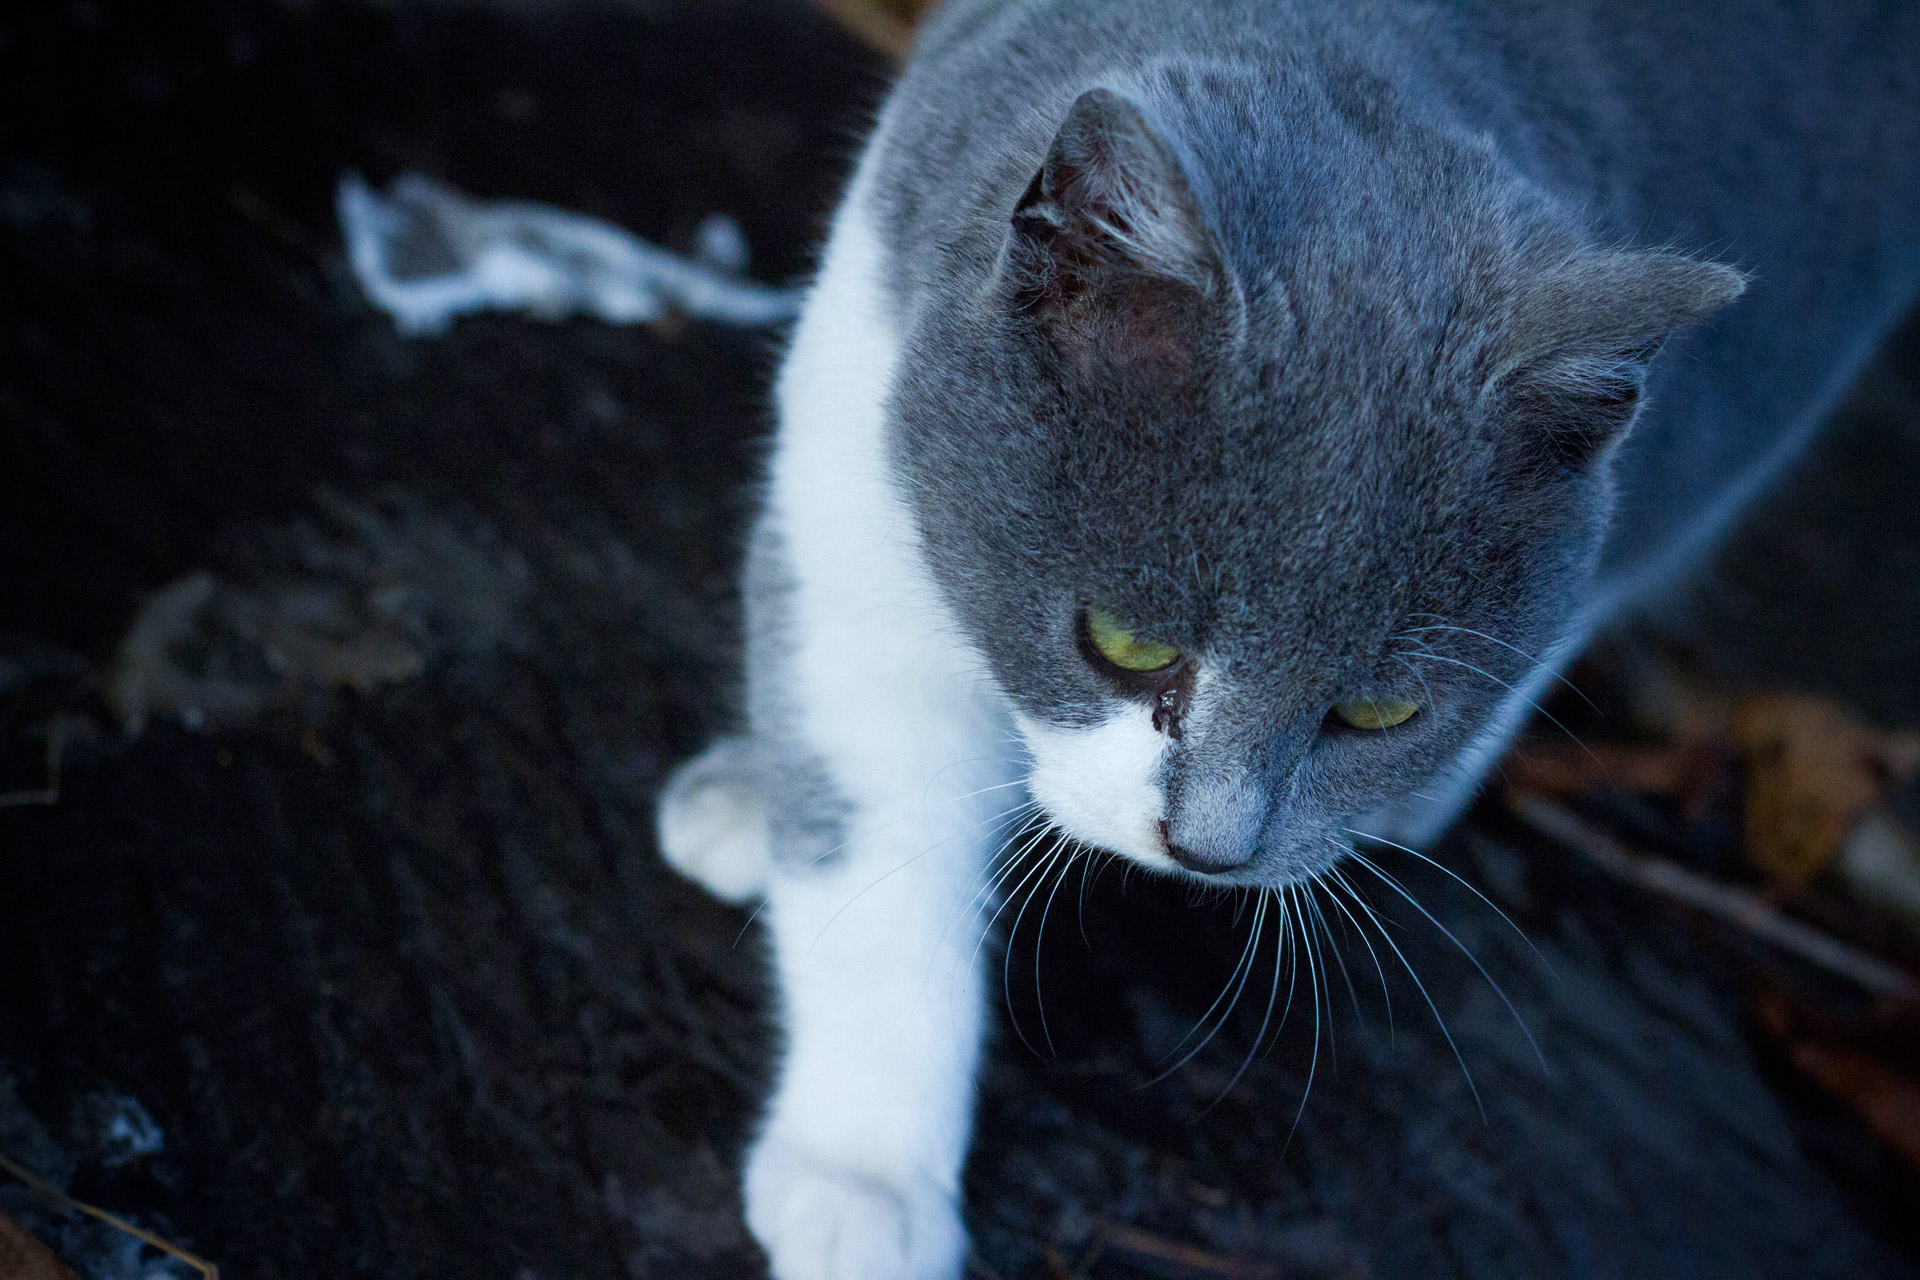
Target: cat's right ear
<point x="1108" y="249"/>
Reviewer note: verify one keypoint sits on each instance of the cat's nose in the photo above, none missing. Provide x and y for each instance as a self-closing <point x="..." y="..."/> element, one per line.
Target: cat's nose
<point x="1211" y="842"/>
<point x="1213" y="823"/>
<point x="1211" y="862"/>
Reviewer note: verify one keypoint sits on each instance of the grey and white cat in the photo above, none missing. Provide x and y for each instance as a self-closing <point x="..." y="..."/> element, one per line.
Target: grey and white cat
<point x="1210" y="424"/>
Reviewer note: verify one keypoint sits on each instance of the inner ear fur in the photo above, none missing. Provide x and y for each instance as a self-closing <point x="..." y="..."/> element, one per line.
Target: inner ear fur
<point x="1109" y="248"/>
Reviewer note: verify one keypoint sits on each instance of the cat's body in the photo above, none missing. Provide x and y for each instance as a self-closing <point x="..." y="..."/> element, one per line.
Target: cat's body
<point x="1300" y="335"/>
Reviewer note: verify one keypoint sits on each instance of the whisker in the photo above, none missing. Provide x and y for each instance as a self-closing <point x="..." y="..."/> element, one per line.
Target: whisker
<point x="1420" y="986"/>
<point x="1039" y="940"/>
<point x="994" y="875"/>
<point x="1419" y="675"/>
<point x="1538" y="664"/>
<point x="1080" y="908"/>
<point x="1012" y="863"/>
<point x="1245" y="962"/>
<point x="1006" y="959"/>
<point x="1001" y="863"/>
<point x="885" y="875"/>
<point x="1346" y="978"/>
<point x="1548" y="715"/>
<point x="1469" y="887"/>
<point x="1414" y="902"/>
<point x="850" y="836"/>
<point x="998" y="786"/>
<point x="1379" y="971"/>
<point x="1314" y="976"/>
<point x="1273" y="991"/>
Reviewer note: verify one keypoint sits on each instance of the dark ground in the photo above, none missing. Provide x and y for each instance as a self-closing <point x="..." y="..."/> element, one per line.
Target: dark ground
<point x="382" y="948"/>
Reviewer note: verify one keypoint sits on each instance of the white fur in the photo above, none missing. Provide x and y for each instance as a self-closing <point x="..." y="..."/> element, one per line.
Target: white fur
<point x="1102" y="783"/>
<point x="855" y="1174"/>
<point x="712" y="822"/>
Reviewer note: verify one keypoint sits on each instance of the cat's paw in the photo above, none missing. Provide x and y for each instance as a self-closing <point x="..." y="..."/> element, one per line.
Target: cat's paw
<point x="712" y="822"/>
<point x="818" y="1220"/>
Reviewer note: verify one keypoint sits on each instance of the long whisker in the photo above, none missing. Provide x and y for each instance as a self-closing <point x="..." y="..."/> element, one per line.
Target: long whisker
<point x="1087" y="871"/>
<point x="1000" y="867"/>
<point x="1538" y="664"/>
<point x="1244" y="963"/>
<point x="1039" y="867"/>
<point x="1414" y="902"/>
<point x="1313" y="904"/>
<point x="1419" y="986"/>
<point x="979" y="791"/>
<point x="1419" y="675"/>
<point x="1314" y="976"/>
<point x="997" y="876"/>
<point x="1039" y="941"/>
<point x="896" y="870"/>
<point x="1379" y="971"/>
<point x="994" y="875"/>
<point x="1006" y="960"/>
<point x="1296" y="934"/>
<point x="1469" y="887"/>
<point x="1273" y="991"/>
<point x="1548" y="715"/>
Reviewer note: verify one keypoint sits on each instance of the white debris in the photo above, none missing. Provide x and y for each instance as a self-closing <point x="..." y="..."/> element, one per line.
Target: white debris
<point x="122" y="1129"/>
<point x="1881" y="863"/>
<point x="425" y="253"/>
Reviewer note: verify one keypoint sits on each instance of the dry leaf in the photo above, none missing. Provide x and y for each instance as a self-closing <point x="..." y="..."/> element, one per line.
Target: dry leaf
<point x="1887" y="1100"/>
<point x="1812" y="770"/>
<point x="24" y="1258"/>
<point x="1562" y="769"/>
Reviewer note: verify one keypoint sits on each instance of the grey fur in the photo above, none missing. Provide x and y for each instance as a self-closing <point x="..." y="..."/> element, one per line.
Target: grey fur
<point x="1362" y="297"/>
<point x="806" y="814"/>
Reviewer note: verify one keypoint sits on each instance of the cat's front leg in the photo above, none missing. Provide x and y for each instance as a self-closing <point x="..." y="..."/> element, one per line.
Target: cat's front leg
<point x="855" y="1175"/>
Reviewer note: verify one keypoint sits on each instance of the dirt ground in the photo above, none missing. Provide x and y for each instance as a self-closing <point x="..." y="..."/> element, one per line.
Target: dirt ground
<point x="370" y="967"/>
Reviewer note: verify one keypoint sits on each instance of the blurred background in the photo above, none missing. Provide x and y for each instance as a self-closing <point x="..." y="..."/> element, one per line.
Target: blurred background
<point x="339" y="666"/>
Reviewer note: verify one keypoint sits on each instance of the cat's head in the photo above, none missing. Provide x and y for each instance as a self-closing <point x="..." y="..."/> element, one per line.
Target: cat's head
<point x="1264" y="456"/>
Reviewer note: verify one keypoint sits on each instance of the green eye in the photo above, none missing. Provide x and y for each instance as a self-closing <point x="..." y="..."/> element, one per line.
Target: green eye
<point x="1375" y="713"/>
<point x="1120" y="647"/>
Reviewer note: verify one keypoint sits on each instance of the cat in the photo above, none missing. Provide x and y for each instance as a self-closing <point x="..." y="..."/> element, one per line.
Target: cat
<point x="1211" y="428"/>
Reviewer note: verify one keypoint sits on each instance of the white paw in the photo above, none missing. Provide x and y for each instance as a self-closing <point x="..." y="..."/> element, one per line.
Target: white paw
<point x="822" y="1221"/>
<point x="712" y="822"/>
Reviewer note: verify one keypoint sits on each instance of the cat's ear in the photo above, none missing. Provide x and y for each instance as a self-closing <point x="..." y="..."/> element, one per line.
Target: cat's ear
<point x="1108" y="246"/>
<point x="1585" y="334"/>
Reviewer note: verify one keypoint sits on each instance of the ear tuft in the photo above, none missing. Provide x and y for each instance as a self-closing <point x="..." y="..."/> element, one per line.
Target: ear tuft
<point x="1585" y="335"/>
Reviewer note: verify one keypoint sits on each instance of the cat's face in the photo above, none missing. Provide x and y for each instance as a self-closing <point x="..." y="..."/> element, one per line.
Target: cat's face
<point x="1258" y="531"/>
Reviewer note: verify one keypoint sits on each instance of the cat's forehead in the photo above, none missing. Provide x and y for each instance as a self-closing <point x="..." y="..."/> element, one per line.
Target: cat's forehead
<point x="1264" y="489"/>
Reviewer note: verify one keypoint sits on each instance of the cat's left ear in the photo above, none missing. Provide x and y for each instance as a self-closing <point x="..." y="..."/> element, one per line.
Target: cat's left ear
<point x="1108" y="247"/>
<point x="1585" y="335"/>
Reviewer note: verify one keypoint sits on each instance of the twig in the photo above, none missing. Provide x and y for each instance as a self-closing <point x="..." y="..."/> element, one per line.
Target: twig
<point x="1145" y="1243"/>
<point x="873" y="26"/>
<point x="52" y="1192"/>
<point x="1736" y="905"/>
<point x="49" y="794"/>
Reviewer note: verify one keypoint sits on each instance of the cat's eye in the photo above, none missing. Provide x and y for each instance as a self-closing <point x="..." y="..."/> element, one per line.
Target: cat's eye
<point x="1125" y="650"/>
<point x="1374" y="713"/>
